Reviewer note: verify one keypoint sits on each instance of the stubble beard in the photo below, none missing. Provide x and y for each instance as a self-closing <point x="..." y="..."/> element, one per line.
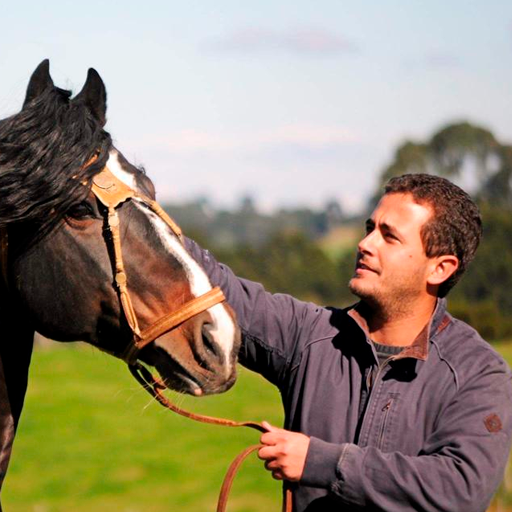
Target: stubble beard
<point x="395" y="303"/>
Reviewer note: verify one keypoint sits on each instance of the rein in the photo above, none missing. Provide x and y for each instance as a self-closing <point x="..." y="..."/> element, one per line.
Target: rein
<point x="155" y="388"/>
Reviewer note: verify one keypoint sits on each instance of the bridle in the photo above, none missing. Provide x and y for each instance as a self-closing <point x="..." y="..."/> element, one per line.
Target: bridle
<point x="112" y="192"/>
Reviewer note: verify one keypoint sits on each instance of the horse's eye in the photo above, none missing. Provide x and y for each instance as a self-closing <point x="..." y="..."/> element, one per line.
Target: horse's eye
<point x="80" y="210"/>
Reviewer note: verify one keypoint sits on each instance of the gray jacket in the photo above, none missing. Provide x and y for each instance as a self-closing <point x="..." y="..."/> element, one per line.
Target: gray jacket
<point x="436" y="430"/>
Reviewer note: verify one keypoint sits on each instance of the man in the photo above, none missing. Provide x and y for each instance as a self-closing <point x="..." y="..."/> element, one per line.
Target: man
<point x="391" y="404"/>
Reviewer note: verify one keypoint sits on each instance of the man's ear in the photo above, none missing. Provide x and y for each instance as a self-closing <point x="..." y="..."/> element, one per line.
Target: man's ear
<point x="442" y="268"/>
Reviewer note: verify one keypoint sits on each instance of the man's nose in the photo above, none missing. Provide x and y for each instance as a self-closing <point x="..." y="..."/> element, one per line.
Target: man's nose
<point x="366" y="245"/>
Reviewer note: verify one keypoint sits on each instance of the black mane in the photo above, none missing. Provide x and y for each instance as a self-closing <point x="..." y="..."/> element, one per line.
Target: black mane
<point x="44" y="152"/>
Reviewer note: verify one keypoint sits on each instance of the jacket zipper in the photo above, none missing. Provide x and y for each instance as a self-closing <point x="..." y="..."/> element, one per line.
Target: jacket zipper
<point x="371" y="387"/>
<point x="369" y="384"/>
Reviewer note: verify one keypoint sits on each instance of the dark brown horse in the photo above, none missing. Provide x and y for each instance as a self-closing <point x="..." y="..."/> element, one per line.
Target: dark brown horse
<point x="60" y="265"/>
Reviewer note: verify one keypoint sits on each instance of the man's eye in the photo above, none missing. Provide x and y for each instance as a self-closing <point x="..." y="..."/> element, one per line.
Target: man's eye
<point x="80" y="210"/>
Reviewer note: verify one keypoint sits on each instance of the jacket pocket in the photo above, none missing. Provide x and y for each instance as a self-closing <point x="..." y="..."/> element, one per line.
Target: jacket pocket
<point x="385" y="421"/>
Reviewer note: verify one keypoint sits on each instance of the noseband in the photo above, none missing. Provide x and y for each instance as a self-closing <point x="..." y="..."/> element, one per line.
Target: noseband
<point x="112" y="192"/>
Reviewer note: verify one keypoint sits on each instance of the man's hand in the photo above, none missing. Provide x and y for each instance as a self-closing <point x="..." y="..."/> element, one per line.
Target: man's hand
<point x="284" y="452"/>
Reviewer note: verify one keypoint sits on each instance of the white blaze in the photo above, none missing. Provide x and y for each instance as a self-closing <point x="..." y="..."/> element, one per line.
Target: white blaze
<point x="117" y="170"/>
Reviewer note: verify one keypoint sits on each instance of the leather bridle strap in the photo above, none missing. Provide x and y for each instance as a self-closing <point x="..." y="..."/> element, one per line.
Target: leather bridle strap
<point x="188" y="310"/>
<point x="155" y="388"/>
<point x="171" y="321"/>
<point x="111" y="192"/>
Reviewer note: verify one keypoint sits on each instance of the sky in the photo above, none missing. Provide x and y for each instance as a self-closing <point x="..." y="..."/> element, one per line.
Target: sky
<point x="293" y="103"/>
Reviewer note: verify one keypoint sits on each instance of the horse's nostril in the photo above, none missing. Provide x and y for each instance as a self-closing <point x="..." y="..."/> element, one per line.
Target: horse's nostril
<point x="208" y="343"/>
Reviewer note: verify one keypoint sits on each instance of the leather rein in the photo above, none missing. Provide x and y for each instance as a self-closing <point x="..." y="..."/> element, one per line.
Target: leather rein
<point x="112" y="192"/>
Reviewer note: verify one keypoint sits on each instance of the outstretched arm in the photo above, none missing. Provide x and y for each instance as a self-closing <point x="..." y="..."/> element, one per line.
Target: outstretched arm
<point x="274" y="327"/>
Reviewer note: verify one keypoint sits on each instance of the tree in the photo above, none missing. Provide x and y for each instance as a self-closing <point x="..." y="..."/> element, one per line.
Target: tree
<point x="288" y="263"/>
<point x="452" y="152"/>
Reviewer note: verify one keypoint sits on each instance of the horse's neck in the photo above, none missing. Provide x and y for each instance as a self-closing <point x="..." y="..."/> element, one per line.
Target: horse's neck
<point x="16" y="342"/>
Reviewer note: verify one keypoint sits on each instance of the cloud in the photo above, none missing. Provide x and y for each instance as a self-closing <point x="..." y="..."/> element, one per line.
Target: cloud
<point x="440" y="59"/>
<point x="307" y="137"/>
<point x="307" y="41"/>
<point x="434" y="59"/>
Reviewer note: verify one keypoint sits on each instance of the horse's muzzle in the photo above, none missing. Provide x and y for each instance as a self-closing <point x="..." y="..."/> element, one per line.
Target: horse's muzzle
<point x="198" y="358"/>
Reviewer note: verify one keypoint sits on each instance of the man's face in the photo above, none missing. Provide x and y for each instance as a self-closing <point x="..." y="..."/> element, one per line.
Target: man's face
<point x="391" y="267"/>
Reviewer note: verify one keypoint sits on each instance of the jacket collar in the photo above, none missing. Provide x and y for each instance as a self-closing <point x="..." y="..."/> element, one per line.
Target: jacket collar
<point x="419" y="348"/>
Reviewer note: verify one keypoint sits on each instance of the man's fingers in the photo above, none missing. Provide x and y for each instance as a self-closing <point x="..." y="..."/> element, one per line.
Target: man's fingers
<point x="274" y="436"/>
<point x="269" y="438"/>
<point x="275" y="469"/>
<point x="267" y="453"/>
<point x="272" y="465"/>
<point x="285" y="453"/>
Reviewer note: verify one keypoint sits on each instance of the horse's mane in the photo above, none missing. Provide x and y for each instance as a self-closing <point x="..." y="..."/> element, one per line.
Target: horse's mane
<point x="44" y="152"/>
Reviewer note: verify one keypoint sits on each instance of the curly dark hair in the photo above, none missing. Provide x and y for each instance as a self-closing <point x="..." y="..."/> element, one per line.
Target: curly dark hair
<point x="456" y="225"/>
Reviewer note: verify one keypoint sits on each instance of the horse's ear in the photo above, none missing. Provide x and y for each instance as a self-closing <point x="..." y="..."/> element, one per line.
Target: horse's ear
<point x="94" y="95"/>
<point x="39" y="81"/>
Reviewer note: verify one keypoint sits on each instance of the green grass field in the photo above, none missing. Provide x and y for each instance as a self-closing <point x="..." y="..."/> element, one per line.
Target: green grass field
<point x="90" y="439"/>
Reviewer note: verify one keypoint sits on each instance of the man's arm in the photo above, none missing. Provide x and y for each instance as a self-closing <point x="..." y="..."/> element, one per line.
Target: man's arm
<point x="274" y="326"/>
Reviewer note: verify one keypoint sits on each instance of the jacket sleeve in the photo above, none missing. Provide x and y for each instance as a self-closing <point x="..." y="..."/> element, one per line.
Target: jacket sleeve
<point x="460" y="467"/>
<point x="274" y="326"/>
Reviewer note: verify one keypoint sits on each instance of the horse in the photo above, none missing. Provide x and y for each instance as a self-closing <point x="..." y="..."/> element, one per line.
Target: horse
<point x="87" y="254"/>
